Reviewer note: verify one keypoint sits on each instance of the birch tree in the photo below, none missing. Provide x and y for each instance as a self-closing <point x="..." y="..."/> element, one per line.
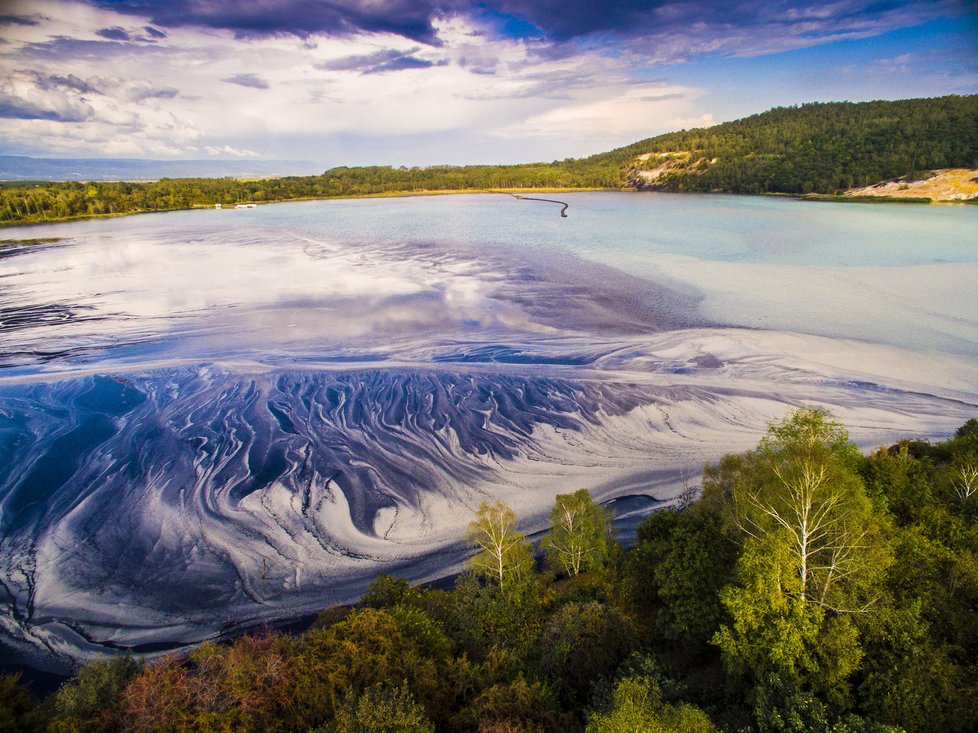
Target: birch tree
<point x="581" y="538"/>
<point x="804" y="484"/>
<point x="503" y="551"/>
<point x="965" y="481"/>
<point x="812" y="556"/>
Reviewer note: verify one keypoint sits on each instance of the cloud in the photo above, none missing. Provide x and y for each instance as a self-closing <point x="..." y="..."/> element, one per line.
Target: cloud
<point x="730" y="23"/>
<point x="553" y="80"/>
<point x="98" y="102"/>
<point x="129" y="90"/>
<point x="138" y="91"/>
<point x="113" y="34"/>
<point x="158" y="134"/>
<point x="60" y="48"/>
<point x="525" y="81"/>
<point x="228" y="150"/>
<point x="48" y="108"/>
<point x="24" y="20"/>
<point x="626" y="113"/>
<point x="381" y="61"/>
<point x="303" y="18"/>
<point x="27" y="95"/>
<point x="132" y="35"/>
<point x="732" y="26"/>
<point x="66" y="83"/>
<point x="247" y="80"/>
<point x="404" y="63"/>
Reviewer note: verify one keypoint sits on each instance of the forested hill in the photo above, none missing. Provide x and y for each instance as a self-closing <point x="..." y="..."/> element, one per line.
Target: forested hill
<point x="815" y="148"/>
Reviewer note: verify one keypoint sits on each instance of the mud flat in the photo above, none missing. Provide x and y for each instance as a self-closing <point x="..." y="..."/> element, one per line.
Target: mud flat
<point x="203" y="428"/>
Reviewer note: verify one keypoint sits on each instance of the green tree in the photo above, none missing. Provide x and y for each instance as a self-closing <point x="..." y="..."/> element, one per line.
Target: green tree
<point x="379" y="709"/>
<point x="813" y="557"/>
<point x="910" y="678"/>
<point x="898" y="482"/>
<point x="245" y="685"/>
<point x="367" y="648"/>
<point x="516" y="705"/>
<point x="581" y="538"/>
<point x="584" y="642"/>
<point x="680" y="563"/>
<point x="88" y="701"/>
<point x="637" y="707"/>
<point x="386" y="591"/>
<point x="489" y="624"/>
<point x="783" y="708"/>
<point x="804" y="485"/>
<point x="503" y="552"/>
<point x="772" y="629"/>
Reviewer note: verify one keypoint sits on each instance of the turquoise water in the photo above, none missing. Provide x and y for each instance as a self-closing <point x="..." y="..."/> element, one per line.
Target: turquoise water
<point x="745" y="229"/>
<point x="901" y="275"/>
<point x="748" y="229"/>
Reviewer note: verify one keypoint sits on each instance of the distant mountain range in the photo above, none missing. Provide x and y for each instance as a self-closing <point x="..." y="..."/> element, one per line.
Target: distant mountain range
<point x="23" y="168"/>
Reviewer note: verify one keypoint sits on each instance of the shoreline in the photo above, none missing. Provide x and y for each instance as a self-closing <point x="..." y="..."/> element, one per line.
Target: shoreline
<point x="345" y="197"/>
<point x="812" y="197"/>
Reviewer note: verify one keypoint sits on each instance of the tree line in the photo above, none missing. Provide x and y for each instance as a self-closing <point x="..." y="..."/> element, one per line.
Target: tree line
<point x="38" y="202"/>
<point x="809" y="589"/>
<point x="815" y="148"/>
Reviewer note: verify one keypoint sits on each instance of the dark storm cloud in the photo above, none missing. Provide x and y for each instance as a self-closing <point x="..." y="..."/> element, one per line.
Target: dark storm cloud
<point x="252" y="81"/>
<point x="302" y="18"/>
<point x="154" y="32"/>
<point x="375" y="63"/>
<point x="556" y="20"/>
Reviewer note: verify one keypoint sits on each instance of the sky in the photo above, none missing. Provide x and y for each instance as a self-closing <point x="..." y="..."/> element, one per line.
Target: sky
<point x="425" y="82"/>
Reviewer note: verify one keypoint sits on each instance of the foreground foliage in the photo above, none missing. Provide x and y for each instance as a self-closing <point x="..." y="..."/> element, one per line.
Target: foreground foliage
<point x="815" y="148"/>
<point x="810" y="589"/>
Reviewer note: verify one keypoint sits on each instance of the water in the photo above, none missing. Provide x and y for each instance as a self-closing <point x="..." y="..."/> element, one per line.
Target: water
<point x="899" y="275"/>
<point x="210" y="419"/>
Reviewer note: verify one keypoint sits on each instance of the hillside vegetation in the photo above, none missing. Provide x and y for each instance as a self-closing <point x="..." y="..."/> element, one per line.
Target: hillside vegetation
<point x="810" y="589"/>
<point x="815" y="148"/>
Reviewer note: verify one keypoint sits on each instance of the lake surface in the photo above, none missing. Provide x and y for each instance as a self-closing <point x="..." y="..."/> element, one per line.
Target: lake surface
<point x="211" y="419"/>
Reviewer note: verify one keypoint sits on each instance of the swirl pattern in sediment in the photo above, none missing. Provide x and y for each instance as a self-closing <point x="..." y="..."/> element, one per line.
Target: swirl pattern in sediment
<point x="208" y="427"/>
<point x="160" y="506"/>
<point x="189" y="494"/>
